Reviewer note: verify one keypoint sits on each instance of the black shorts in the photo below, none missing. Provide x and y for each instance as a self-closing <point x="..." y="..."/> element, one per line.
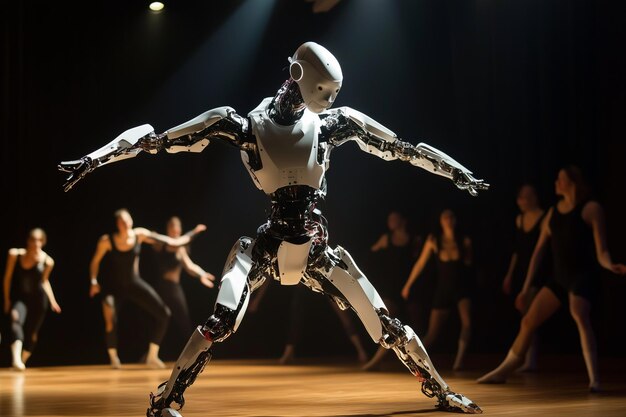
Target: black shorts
<point x="447" y="298"/>
<point x="585" y="287"/>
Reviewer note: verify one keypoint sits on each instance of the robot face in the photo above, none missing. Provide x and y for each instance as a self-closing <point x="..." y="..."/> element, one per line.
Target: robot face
<point x="318" y="75"/>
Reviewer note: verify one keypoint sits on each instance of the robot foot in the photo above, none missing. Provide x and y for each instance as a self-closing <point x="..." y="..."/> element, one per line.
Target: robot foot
<point x="161" y="408"/>
<point x="451" y="401"/>
<point x="170" y="412"/>
<point x="166" y="412"/>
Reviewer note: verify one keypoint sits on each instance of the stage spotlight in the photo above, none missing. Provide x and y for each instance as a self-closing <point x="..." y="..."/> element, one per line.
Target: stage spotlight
<point x="156" y="6"/>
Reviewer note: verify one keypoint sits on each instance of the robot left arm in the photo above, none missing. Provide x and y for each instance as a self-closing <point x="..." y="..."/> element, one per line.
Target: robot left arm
<point x="344" y="124"/>
<point x="192" y="136"/>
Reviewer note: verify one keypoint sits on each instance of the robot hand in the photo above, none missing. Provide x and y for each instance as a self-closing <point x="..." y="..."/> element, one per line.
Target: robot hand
<point x="126" y="145"/>
<point x="464" y="180"/>
<point x="77" y="169"/>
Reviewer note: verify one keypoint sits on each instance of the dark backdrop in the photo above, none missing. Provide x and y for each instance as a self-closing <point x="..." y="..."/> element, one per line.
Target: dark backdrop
<point x="513" y="90"/>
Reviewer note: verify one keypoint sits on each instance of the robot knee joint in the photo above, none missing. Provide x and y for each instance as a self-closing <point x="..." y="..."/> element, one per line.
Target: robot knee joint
<point x="220" y="325"/>
<point x="394" y="333"/>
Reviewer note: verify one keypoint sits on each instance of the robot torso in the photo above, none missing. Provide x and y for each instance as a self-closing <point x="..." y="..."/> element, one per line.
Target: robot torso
<point x="288" y="154"/>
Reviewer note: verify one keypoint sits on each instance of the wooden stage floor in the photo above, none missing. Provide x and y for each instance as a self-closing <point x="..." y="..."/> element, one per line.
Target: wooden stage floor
<point x="260" y="388"/>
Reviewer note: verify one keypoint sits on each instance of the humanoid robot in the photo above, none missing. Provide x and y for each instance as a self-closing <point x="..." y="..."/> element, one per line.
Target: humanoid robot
<point x="285" y="145"/>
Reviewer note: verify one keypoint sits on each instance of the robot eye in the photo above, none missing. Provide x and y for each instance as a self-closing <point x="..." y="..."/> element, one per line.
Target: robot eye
<point x="319" y="87"/>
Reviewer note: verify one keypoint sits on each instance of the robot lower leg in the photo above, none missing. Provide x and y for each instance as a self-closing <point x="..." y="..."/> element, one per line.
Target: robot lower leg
<point x="410" y="350"/>
<point x="192" y="360"/>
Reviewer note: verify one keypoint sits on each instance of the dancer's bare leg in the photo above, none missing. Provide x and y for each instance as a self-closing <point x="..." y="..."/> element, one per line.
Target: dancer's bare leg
<point x="580" y="309"/>
<point x="464" y="307"/>
<point x="542" y="307"/>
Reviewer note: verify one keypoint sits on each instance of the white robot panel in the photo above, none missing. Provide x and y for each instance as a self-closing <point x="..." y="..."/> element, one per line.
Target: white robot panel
<point x="292" y="261"/>
<point x="288" y="153"/>
<point x="318" y="75"/>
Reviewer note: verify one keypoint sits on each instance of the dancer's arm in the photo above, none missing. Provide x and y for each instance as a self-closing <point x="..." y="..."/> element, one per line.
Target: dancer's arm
<point x="45" y="283"/>
<point x="146" y="236"/>
<point x="593" y="214"/>
<point x="535" y="260"/>
<point x="429" y="247"/>
<point x="103" y="246"/>
<point x="507" y="283"/>
<point x="8" y="277"/>
<point x="381" y="243"/>
<point x="206" y="278"/>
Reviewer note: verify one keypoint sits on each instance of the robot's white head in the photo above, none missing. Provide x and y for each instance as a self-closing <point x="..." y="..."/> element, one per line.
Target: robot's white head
<point x="318" y="75"/>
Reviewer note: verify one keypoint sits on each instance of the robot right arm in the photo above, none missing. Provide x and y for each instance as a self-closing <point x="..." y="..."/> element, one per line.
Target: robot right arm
<point x="345" y="124"/>
<point x="221" y="123"/>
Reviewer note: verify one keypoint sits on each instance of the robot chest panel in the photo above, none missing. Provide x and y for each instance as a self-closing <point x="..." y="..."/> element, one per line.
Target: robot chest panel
<point x="288" y="154"/>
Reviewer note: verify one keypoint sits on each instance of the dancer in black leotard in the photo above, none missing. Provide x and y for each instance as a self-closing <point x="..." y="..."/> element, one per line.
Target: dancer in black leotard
<point x="527" y="227"/>
<point x="577" y="231"/>
<point x="396" y="252"/>
<point x="454" y="257"/>
<point x="124" y="282"/>
<point x="170" y="263"/>
<point x="27" y="293"/>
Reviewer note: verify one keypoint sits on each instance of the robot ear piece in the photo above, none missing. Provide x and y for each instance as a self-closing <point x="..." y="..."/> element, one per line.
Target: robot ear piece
<point x="296" y="71"/>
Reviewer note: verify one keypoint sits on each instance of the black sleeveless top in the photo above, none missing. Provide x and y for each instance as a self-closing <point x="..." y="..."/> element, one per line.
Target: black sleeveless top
<point x="397" y="261"/>
<point x="27" y="282"/>
<point x="525" y="243"/>
<point x="453" y="279"/>
<point x="167" y="260"/>
<point x="121" y="267"/>
<point x="452" y="273"/>
<point x="573" y="247"/>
